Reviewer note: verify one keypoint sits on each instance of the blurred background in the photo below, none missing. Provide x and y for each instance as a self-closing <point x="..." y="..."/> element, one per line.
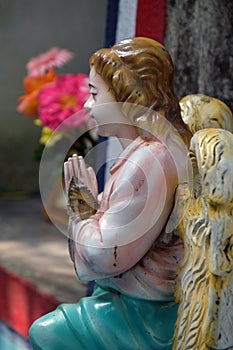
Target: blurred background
<point x="27" y="29"/>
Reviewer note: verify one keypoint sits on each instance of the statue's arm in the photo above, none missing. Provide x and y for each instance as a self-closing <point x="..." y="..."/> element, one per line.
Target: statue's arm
<point x="132" y="213"/>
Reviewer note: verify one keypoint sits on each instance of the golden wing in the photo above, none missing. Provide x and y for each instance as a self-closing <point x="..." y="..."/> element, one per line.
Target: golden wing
<point x="200" y="111"/>
<point x="204" y="286"/>
<point x="203" y="321"/>
<point x="214" y="150"/>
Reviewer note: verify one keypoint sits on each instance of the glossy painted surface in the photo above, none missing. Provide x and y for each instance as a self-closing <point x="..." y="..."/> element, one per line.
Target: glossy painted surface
<point x="104" y="321"/>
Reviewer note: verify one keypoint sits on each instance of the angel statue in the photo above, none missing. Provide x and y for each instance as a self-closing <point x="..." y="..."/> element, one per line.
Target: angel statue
<point x="204" y="285"/>
<point x="120" y="241"/>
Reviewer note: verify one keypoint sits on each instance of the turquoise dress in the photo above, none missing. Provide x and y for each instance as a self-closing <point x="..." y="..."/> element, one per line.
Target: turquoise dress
<point x="132" y="307"/>
<point x="106" y="320"/>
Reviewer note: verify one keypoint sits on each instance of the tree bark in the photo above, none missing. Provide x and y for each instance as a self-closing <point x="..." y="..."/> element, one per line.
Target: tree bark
<point x="199" y="37"/>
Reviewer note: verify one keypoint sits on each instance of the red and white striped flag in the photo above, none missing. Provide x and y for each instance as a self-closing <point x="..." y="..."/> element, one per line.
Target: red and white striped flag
<point x="129" y="18"/>
<point x="125" y="19"/>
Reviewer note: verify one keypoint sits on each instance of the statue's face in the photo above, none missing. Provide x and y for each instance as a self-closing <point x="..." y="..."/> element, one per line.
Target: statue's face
<point x="103" y="108"/>
<point x="99" y="91"/>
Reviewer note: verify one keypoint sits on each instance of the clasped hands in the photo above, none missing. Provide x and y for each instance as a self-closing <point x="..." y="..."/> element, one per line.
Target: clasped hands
<point x="75" y="167"/>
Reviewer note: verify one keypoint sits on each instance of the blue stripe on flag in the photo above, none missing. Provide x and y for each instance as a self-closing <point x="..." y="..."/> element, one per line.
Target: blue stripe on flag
<point x="110" y="37"/>
<point x="111" y="22"/>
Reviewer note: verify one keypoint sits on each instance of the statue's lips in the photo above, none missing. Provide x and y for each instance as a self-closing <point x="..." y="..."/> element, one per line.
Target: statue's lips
<point x="91" y="121"/>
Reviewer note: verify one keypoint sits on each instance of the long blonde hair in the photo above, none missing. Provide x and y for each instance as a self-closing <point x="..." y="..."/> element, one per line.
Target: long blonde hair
<point x="139" y="71"/>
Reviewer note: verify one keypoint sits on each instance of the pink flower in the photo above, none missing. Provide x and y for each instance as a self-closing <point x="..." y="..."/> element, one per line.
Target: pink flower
<point x="61" y="99"/>
<point x="52" y="58"/>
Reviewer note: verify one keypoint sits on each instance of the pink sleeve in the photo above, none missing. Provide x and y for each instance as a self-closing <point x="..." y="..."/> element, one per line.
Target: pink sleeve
<point x="138" y="201"/>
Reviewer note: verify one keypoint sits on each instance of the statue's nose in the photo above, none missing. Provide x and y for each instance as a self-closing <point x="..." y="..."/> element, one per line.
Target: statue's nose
<point x="89" y="103"/>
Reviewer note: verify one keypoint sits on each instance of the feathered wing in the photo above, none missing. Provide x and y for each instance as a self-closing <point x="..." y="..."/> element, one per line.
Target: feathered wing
<point x="216" y="173"/>
<point x="204" y="286"/>
<point x="200" y="111"/>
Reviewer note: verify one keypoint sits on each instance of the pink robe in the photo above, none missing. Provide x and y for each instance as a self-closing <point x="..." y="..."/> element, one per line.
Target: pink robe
<point x="124" y="246"/>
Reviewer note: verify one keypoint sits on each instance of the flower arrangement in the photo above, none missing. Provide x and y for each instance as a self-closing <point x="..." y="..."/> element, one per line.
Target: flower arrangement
<point x="51" y="99"/>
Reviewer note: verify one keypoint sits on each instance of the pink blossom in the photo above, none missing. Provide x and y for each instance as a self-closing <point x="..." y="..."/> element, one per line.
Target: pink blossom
<point x="52" y="58"/>
<point x="61" y="99"/>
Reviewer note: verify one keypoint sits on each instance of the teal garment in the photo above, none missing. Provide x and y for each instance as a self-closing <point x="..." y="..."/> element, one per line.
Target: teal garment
<point x="106" y="320"/>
